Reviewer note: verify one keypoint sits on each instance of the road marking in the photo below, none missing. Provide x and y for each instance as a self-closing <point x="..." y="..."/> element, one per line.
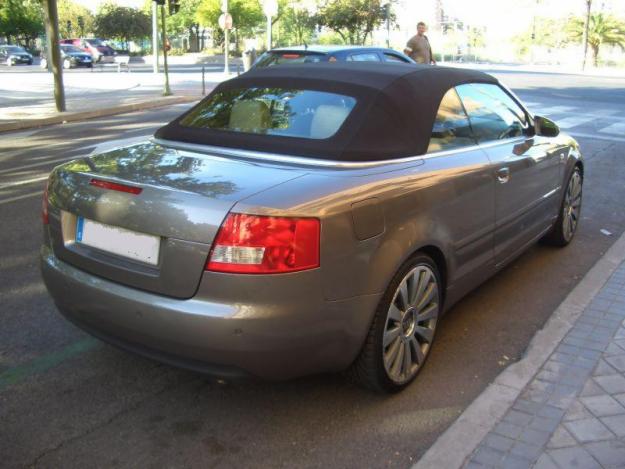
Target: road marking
<point x="596" y="137"/>
<point x="618" y="128"/>
<point x="550" y="110"/>
<point x="20" y="197"/>
<point x="573" y="121"/>
<point x="23" y="182"/>
<point x="40" y="365"/>
<point x="34" y="165"/>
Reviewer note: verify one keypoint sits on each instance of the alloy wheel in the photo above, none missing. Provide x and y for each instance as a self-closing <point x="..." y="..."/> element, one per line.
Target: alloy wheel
<point x="572" y="205"/>
<point x="410" y="324"/>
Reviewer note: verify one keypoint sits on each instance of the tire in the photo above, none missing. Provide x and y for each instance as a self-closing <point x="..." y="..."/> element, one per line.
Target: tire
<point x="10" y="63"/>
<point x="43" y="63"/>
<point x="399" y="330"/>
<point x="565" y="227"/>
<point x="67" y="64"/>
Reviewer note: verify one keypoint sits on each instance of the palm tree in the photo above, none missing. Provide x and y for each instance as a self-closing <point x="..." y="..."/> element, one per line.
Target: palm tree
<point x="602" y="30"/>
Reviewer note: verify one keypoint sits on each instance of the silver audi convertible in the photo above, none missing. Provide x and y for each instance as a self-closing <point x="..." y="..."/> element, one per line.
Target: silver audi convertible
<point x="308" y="218"/>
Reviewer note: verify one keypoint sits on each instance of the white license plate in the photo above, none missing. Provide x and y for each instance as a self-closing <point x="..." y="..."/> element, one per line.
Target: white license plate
<point x="120" y="241"/>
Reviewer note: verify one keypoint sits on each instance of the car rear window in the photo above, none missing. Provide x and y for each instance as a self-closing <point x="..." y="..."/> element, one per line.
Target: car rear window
<point x="277" y="58"/>
<point x="273" y="111"/>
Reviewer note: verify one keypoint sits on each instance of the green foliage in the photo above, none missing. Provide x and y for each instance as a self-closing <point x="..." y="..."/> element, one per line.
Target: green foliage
<point x="547" y="32"/>
<point x="80" y="17"/>
<point x="21" y="21"/>
<point x="353" y="20"/>
<point x="296" y="24"/>
<point x="602" y="29"/>
<point x="185" y="18"/>
<point x="247" y="15"/>
<point x="330" y="38"/>
<point x="123" y="23"/>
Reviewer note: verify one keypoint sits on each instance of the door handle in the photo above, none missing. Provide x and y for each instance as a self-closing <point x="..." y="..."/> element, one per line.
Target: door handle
<point x="503" y="175"/>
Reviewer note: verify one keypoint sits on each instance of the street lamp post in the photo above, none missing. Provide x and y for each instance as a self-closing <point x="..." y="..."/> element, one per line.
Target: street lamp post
<point x="225" y="16"/>
<point x="154" y="37"/>
<point x="270" y="9"/>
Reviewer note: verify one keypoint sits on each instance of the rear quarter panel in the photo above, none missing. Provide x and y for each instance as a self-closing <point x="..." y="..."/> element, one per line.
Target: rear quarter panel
<point x="443" y="202"/>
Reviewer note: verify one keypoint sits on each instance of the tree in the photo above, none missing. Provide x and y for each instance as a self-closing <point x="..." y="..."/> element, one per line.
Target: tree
<point x="80" y="19"/>
<point x="296" y="22"/>
<point x="185" y="21"/>
<point x="353" y="20"/>
<point x="123" y="23"/>
<point x="21" y="21"/>
<point x="602" y="30"/>
<point x="547" y="32"/>
<point x="247" y="16"/>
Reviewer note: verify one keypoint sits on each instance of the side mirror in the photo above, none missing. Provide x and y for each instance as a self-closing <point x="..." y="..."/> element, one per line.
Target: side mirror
<point x="545" y="127"/>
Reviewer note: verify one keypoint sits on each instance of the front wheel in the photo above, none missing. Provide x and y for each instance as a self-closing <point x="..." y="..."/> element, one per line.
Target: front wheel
<point x="67" y="64"/>
<point x="403" y="328"/>
<point x="566" y="225"/>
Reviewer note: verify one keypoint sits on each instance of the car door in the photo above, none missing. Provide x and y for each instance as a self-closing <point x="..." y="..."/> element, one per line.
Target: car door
<point x="525" y="171"/>
<point x="464" y="194"/>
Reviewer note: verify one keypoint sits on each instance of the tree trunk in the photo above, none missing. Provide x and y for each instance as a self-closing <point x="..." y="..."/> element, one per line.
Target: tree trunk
<point x="595" y="54"/>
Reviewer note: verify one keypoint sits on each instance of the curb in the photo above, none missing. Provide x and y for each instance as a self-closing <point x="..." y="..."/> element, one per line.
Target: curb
<point x="83" y="115"/>
<point x="459" y="441"/>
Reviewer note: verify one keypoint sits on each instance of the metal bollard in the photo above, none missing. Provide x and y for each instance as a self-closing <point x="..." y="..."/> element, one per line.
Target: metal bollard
<point x="203" y="81"/>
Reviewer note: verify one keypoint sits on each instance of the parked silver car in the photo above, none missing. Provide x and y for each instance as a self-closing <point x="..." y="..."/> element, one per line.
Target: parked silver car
<point x="308" y="218"/>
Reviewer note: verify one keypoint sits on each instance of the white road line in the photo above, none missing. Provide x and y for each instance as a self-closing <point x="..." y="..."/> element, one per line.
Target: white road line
<point x="20" y="197"/>
<point x="618" y="129"/>
<point x="550" y="110"/>
<point x="23" y="182"/>
<point x="34" y="165"/>
<point x="573" y="121"/>
<point x="596" y="137"/>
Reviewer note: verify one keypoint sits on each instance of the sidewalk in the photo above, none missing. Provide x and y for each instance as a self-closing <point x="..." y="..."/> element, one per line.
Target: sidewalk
<point x="563" y="405"/>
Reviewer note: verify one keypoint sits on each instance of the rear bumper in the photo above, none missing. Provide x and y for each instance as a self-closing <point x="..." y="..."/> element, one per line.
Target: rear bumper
<point x="271" y="340"/>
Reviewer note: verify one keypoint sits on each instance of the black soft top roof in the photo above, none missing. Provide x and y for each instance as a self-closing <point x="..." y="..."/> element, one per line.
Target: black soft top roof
<point x="393" y="118"/>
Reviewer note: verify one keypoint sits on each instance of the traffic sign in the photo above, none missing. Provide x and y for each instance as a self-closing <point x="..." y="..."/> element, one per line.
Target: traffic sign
<point x="225" y="21"/>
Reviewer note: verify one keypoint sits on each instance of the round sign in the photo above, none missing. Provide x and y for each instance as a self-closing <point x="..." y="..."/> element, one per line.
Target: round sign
<point x="225" y="21"/>
<point x="270" y="7"/>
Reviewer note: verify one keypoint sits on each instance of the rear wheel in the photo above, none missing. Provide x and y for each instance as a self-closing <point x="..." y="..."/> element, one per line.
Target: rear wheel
<point x="67" y="64"/>
<point x="403" y="328"/>
<point x="566" y="225"/>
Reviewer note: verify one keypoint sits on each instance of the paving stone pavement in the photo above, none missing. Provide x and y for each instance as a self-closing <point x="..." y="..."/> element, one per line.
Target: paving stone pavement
<point x="572" y="413"/>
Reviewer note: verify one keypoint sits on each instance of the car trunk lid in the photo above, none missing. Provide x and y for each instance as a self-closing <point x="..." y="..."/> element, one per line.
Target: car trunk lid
<point x="182" y="199"/>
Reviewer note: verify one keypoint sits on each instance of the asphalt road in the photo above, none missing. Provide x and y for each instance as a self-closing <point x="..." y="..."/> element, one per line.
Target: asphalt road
<point x="67" y="400"/>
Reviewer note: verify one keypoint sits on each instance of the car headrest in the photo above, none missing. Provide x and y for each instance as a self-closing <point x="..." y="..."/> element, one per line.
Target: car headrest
<point x="249" y="116"/>
<point x="327" y="120"/>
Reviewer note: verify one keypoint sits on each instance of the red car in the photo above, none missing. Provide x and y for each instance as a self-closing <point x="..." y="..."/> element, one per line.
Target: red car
<point x="94" y="46"/>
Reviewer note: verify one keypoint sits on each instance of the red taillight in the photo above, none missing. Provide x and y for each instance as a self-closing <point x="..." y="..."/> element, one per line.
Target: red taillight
<point x="291" y="56"/>
<point x="252" y="244"/>
<point x="115" y="186"/>
<point x="44" y="206"/>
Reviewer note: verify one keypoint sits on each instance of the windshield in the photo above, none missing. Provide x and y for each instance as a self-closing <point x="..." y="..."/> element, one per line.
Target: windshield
<point x="281" y="57"/>
<point x="67" y="48"/>
<point x="273" y="111"/>
<point x="16" y="50"/>
<point x="95" y="42"/>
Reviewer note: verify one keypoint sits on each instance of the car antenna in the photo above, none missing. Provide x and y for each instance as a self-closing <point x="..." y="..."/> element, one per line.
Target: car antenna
<point x="305" y="46"/>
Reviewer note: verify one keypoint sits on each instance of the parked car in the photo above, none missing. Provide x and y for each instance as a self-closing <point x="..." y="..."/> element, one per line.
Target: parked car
<point x="98" y="50"/>
<point x="315" y="53"/>
<point x="14" y="55"/>
<point x="71" y="57"/>
<point x="308" y="218"/>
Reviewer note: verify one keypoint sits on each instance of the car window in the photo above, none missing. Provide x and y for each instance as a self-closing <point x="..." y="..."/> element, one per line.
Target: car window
<point x="388" y="57"/>
<point x="67" y="48"/>
<point x="276" y="58"/>
<point x="273" y="111"/>
<point x="492" y="112"/>
<point x="364" y="57"/>
<point x="451" y="127"/>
